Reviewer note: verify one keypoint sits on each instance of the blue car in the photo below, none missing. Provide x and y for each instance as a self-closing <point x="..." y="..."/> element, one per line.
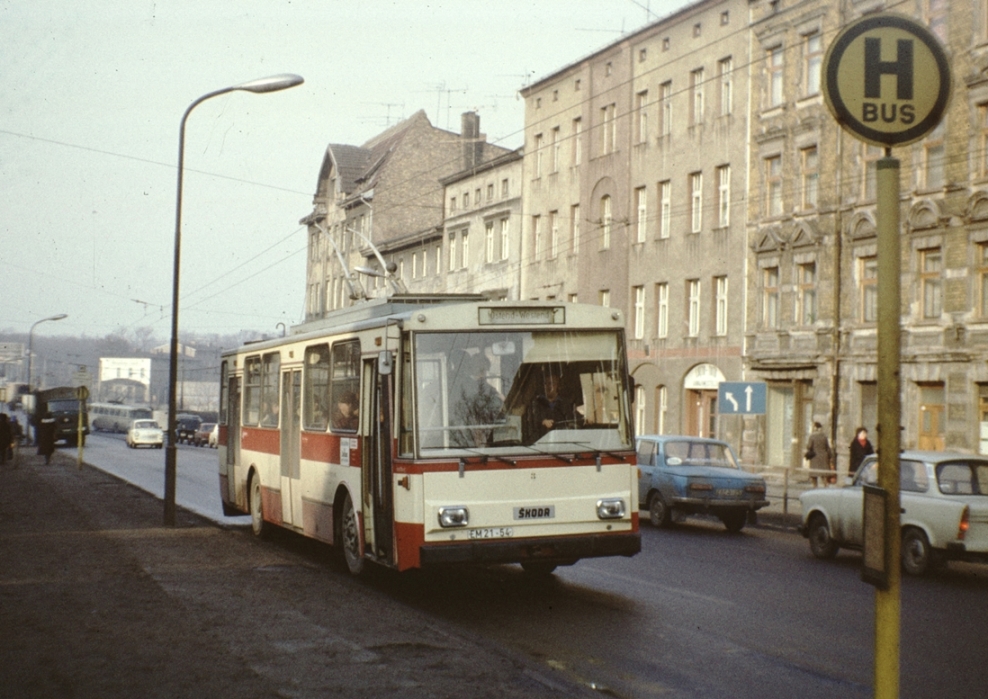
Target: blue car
<point x="681" y="476"/>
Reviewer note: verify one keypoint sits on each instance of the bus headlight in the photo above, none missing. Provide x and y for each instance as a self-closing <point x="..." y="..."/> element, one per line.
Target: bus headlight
<point x="612" y="508"/>
<point x="453" y="517"/>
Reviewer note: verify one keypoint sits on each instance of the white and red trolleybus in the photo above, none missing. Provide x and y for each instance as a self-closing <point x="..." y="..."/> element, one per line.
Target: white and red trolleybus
<point x="412" y="431"/>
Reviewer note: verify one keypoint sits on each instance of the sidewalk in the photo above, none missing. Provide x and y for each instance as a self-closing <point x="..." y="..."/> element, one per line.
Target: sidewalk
<point x="97" y="599"/>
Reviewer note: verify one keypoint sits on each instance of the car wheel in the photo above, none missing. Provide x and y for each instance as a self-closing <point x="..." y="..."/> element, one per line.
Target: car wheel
<point x="734" y="520"/>
<point x="917" y="556"/>
<point x="350" y="538"/>
<point x="821" y="543"/>
<point x="658" y="511"/>
<point x="257" y="523"/>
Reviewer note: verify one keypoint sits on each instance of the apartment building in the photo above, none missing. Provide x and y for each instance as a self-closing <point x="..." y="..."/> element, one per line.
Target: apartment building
<point x="812" y="283"/>
<point x="635" y="177"/>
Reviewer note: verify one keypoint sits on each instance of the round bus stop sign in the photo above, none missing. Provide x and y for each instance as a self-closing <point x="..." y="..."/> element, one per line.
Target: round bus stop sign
<point x="886" y="80"/>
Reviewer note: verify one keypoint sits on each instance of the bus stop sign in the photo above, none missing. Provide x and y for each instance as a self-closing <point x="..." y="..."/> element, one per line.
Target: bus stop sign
<point x="886" y="80"/>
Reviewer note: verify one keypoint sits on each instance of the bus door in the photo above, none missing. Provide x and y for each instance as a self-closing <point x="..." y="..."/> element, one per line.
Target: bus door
<point x="291" y="409"/>
<point x="377" y="467"/>
<point x="233" y="435"/>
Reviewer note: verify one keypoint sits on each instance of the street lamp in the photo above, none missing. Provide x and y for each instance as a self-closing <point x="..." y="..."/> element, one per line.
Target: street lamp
<point x="270" y="84"/>
<point x="30" y="344"/>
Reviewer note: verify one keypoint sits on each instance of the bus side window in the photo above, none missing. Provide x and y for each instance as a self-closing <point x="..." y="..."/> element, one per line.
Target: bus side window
<point x="315" y="415"/>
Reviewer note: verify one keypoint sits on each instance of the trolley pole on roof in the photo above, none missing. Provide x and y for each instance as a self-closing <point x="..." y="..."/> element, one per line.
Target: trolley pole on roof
<point x="271" y="84"/>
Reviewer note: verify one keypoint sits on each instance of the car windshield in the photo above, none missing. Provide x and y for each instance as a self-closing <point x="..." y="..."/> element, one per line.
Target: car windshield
<point x="695" y="453"/>
<point x="963" y="477"/>
<point x="145" y="425"/>
<point x="516" y="392"/>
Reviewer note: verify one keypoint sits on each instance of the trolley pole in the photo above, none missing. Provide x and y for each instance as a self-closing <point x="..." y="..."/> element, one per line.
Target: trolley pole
<point x="887" y="598"/>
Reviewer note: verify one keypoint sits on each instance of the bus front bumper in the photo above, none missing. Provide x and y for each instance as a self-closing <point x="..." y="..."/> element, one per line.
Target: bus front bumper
<point x="560" y="550"/>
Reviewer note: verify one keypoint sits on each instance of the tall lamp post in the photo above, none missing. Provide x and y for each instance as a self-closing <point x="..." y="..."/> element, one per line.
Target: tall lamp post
<point x="30" y="344"/>
<point x="271" y="84"/>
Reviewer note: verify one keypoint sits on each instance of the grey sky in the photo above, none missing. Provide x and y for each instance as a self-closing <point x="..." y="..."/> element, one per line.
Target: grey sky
<point x="92" y="98"/>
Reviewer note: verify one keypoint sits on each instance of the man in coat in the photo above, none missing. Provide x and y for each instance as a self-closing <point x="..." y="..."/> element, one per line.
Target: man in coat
<point x="819" y="454"/>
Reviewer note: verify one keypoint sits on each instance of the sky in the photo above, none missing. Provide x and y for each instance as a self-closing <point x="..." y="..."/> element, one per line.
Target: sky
<point x="93" y="96"/>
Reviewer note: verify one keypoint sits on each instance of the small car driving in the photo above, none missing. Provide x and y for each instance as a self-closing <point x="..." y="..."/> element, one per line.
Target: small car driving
<point x="944" y="510"/>
<point x="682" y="476"/>
<point x="144" y="433"/>
<point x="201" y="436"/>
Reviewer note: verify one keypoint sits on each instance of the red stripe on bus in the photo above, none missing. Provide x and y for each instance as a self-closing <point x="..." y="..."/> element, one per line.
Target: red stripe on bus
<point x="325" y="448"/>
<point x="264" y="440"/>
<point x="495" y="465"/>
<point x="409" y="537"/>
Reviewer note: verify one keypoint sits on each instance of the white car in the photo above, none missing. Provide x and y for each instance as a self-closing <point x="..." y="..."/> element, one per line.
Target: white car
<point x="145" y="433"/>
<point x="944" y="503"/>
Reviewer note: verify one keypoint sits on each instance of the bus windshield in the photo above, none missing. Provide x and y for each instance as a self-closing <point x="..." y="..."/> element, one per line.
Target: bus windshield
<point x="519" y="392"/>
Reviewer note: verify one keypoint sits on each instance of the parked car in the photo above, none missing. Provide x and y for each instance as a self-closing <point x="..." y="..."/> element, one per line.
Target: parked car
<point x="214" y="436"/>
<point x="692" y="475"/>
<point x="201" y="436"/>
<point x="185" y="427"/>
<point x="145" y="433"/>
<point x="944" y="510"/>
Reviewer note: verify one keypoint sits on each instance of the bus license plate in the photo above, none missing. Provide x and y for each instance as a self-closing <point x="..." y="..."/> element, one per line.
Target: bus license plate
<point x="491" y="533"/>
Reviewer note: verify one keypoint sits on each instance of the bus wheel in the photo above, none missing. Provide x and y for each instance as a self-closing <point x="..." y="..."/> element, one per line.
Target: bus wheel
<point x="350" y="538"/>
<point x="257" y="523"/>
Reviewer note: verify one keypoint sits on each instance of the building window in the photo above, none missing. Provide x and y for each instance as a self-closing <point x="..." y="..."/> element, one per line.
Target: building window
<point x="720" y="309"/>
<point x="725" y="68"/>
<point x="810" y="160"/>
<point x="774" y="61"/>
<point x="813" y="60"/>
<point x="697" y="28"/>
<point x="452" y="252"/>
<point x="539" y="142"/>
<point x="537" y="237"/>
<point x="553" y="235"/>
<point x="504" y="238"/>
<point x="574" y="222"/>
<point x="639" y="328"/>
<point x="661" y="408"/>
<point x="773" y="185"/>
<point x="466" y="200"/>
<point x="807" y="293"/>
<point x="665" y="108"/>
<point x="696" y="96"/>
<point x="770" y="297"/>
<point x="452" y="204"/>
<point x="696" y="201"/>
<point x="665" y="43"/>
<point x="608" y="122"/>
<point x="639" y="410"/>
<point x="642" y="107"/>
<point x="504" y="188"/>
<point x="490" y="192"/>
<point x="415" y="265"/>
<point x="577" y="141"/>
<point x="983" y="133"/>
<point x="662" y="310"/>
<point x="869" y="172"/>
<point x="556" y="146"/>
<point x="931" y="266"/>
<point x="605" y="222"/>
<point x="724" y="196"/>
<point x="983" y="278"/>
<point x="641" y="201"/>
<point x="464" y="249"/>
<point x="665" y="213"/>
<point x="605" y="298"/>
<point x="868" y="274"/>
<point x="642" y="55"/>
<point x="693" y="306"/>
<point x="934" y="150"/>
<point x="489" y="242"/>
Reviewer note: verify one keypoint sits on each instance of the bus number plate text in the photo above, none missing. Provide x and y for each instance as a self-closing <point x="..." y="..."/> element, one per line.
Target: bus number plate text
<point x="492" y="533"/>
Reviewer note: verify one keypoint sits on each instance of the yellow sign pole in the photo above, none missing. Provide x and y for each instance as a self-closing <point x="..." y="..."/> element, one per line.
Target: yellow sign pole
<point x="887" y="598"/>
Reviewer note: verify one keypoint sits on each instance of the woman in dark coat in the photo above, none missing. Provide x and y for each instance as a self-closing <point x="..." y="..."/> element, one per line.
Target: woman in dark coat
<point x="860" y="448"/>
<point x="5" y="437"/>
<point x="46" y="438"/>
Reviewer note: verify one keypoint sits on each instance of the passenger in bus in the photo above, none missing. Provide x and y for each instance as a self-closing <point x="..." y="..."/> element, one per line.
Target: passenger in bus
<point x="552" y="408"/>
<point x="475" y="401"/>
<point x="346" y="416"/>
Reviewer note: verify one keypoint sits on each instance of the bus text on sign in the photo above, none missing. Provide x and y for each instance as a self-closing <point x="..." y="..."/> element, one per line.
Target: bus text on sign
<point x="887" y="80"/>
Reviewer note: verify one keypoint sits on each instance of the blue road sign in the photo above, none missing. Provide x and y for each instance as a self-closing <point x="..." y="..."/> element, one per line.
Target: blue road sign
<point x="741" y="398"/>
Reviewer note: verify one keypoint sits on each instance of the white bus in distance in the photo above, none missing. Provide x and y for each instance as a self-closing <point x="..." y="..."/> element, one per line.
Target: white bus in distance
<point x="421" y="430"/>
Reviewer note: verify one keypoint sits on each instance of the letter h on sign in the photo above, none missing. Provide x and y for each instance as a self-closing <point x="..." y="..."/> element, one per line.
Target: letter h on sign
<point x="901" y="68"/>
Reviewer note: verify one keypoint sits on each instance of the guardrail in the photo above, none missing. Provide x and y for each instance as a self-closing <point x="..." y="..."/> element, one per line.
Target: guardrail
<point x="784" y="485"/>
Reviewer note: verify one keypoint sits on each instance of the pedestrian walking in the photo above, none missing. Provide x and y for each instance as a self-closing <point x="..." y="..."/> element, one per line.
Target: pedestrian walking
<point x="860" y="448"/>
<point x="819" y="454"/>
<point x="46" y="438"/>
<point x="5" y="438"/>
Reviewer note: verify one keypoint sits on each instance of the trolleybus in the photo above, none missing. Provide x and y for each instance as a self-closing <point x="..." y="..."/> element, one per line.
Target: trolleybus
<point x="414" y="430"/>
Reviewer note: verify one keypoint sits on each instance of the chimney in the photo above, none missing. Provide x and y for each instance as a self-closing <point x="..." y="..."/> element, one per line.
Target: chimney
<point x="473" y="140"/>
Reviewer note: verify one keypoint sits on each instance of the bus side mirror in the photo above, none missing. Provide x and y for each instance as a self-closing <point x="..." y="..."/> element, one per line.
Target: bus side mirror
<point x="385" y="365"/>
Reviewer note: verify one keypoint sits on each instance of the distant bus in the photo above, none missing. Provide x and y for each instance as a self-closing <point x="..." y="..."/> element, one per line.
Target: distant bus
<point x="116" y="417"/>
<point x="412" y="431"/>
